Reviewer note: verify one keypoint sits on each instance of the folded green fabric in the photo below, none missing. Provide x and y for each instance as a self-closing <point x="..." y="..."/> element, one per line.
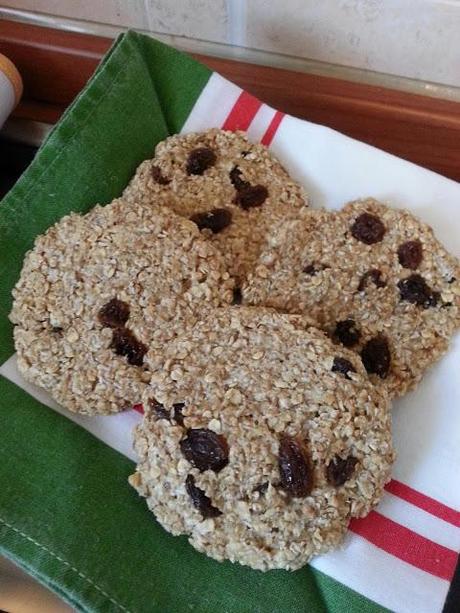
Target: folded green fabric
<point x="67" y="514"/>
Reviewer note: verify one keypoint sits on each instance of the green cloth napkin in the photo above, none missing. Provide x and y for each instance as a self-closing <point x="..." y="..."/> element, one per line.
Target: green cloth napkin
<point x="67" y="514"/>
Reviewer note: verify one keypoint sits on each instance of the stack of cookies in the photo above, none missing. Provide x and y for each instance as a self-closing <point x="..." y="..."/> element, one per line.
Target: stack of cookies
<point x="265" y="341"/>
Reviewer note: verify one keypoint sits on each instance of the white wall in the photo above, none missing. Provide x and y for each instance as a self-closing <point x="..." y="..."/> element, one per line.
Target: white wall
<point x="418" y="39"/>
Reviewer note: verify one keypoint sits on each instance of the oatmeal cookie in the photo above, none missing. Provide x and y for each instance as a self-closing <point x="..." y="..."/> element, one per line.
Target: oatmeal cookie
<point x="375" y="278"/>
<point x="261" y="439"/>
<point x="235" y="191"/>
<point x="97" y="290"/>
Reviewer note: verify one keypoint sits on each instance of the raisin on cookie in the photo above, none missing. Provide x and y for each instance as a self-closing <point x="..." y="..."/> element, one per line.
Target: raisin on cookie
<point x="236" y="192"/>
<point x="97" y="291"/>
<point x="375" y="278"/>
<point x="281" y="439"/>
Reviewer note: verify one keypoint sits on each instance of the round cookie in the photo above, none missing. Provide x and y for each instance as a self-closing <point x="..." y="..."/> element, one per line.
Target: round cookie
<point x="235" y="191"/>
<point x="261" y="439"/>
<point x="375" y="278"/>
<point x="97" y="290"/>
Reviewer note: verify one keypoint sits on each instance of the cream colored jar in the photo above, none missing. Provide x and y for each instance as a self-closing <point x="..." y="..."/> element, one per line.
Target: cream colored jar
<point x="10" y="87"/>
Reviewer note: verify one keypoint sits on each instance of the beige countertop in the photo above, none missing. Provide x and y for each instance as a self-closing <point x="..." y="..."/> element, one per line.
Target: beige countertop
<point x="19" y="593"/>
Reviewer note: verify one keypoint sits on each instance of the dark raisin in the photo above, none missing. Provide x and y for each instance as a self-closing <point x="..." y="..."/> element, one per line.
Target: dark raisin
<point x="177" y="413"/>
<point x="410" y="254"/>
<point x="261" y="488"/>
<point x="296" y="475"/>
<point x="114" y="314"/>
<point x="313" y="269"/>
<point x="375" y="276"/>
<point x="125" y="343"/>
<point x="215" y="220"/>
<point x="205" y="449"/>
<point x="237" y="182"/>
<point x="368" y="229"/>
<point x="237" y="295"/>
<point x="343" y="366"/>
<point x="158" y="409"/>
<point x="158" y="176"/>
<point x="200" y="160"/>
<point x="376" y="356"/>
<point x="452" y="280"/>
<point x="251" y="196"/>
<point x="340" y="470"/>
<point x="446" y="305"/>
<point x="415" y="289"/>
<point x="200" y="500"/>
<point x="347" y="332"/>
<point x="245" y="153"/>
<point x="57" y="329"/>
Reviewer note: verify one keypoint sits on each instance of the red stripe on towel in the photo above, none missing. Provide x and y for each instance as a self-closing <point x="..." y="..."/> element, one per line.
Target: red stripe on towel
<point x="406" y="545"/>
<point x="430" y="505"/>
<point x="272" y="128"/>
<point x="242" y="113"/>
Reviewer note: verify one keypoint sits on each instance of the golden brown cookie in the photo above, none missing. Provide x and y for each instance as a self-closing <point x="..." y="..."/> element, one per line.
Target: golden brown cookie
<point x="261" y="439"/>
<point x="98" y="290"/>
<point x="235" y="191"/>
<point x="375" y="278"/>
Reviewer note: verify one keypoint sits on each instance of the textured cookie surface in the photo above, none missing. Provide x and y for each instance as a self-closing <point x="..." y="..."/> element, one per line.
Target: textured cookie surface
<point x="235" y="191"/>
<point x="375" y="278"/>
<point x="261" y="439"/>
<point x="97" y="290"/>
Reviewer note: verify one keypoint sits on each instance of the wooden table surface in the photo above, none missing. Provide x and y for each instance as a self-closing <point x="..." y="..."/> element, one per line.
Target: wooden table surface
<point x="55" y="66"/>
